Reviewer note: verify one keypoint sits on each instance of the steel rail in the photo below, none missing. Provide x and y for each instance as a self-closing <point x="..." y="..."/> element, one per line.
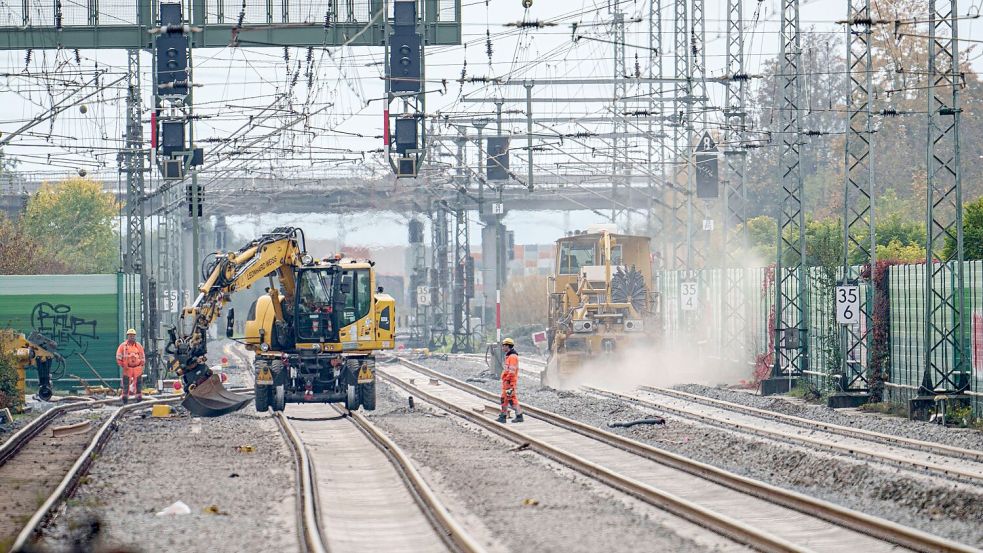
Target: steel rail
<point x="12" y="445"/>
<point x="881" y="529"/>
<point x="79" y="469"/>
<point x="912" y="443"/>
<point x="721" y="524"/>
<point x="882" y="456"/>
<point x="453" y="533"/>
<point x="310" y="529"/>
<point x="447" y="528"/>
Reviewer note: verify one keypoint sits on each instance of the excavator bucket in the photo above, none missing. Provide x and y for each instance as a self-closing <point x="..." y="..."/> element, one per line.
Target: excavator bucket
<point x="211" y="399"/>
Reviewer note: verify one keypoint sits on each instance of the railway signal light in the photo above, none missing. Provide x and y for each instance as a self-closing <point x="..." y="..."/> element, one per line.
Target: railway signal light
<point x="405" y="63"/>
<point x="171" y="47"/>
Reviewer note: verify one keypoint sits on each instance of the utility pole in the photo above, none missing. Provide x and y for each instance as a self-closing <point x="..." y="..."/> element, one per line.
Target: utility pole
<point x="858" y="207"/>
<point x="791" y="301"/>
<point x="945" y="345"/>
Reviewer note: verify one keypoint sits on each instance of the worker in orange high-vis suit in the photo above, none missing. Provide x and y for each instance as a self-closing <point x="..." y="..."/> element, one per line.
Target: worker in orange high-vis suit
<point x="510" y="381"/>
<point x="131" y="359"/>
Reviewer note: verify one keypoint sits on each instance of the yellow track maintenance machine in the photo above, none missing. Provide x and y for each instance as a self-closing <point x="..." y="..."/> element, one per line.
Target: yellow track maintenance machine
<point x="601" y="302"/>
<point x="37" y="351"/>
<point x="314" y="331"/>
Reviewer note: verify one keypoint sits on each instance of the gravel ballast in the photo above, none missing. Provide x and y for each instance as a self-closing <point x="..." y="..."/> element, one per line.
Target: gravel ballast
<point x="896" y="426"/>
<point x="235" y="473"/>
<point x="947" y="510"/>
<point x="515" y="500"/>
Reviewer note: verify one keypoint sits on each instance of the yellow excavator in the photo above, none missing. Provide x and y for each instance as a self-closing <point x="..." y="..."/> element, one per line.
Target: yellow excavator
<point x="601" y="302"/>
<point x="37" y="351"/>
<point x="314" y="331"/>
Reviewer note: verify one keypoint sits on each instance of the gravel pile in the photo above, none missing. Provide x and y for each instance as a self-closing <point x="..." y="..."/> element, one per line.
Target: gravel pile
<point x="512" y="500"/>
<point x="235" y="473"/>
<point x="953" y="511"/>
<point x="897" y="426"/>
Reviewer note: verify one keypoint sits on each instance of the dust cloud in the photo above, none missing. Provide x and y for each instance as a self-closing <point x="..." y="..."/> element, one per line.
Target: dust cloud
<point x="678" y="361"/>
<point x="678" y="356"/>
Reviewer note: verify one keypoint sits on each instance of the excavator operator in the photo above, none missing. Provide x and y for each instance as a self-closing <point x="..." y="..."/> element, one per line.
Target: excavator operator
<point x="510" y="381"/>
<point x="131" y="358"/>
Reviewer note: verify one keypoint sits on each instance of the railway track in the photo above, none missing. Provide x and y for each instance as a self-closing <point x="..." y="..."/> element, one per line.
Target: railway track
<point x="919" y="456"/>
<point x="70" y="468"/>
<point x="386" y="505"/>
<point x="762" y="516"/>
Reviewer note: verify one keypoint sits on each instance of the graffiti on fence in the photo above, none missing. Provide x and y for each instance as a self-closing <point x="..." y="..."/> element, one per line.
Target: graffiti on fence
<point x="57" y="322"/>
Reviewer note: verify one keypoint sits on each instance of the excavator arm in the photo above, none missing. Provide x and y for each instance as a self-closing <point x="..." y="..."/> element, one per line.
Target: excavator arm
<point x="276" y="252"/>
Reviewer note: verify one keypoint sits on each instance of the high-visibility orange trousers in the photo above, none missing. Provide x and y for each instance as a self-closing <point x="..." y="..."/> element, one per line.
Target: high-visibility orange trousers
<point x="132" y="383"/>
<point x="510" y="400"/>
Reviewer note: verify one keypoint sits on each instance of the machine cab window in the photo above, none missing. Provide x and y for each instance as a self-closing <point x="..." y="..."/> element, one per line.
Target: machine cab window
<point x="359" y="301"/>
<point x="574" y="255"/>
<point x="314" y="305"/>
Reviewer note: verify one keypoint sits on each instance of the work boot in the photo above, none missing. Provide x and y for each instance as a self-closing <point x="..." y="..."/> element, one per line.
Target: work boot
<point x="501" y="418"/>
<point x="518" y="418"/>
<point x="125" y="399"/>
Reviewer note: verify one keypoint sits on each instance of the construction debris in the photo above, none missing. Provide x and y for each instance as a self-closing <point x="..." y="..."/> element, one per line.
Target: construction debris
<point x="629" y="424"/>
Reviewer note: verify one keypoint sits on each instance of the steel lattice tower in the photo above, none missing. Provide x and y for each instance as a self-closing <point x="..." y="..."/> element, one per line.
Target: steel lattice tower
<point x="696" y="211"/>
<point x="463" y="340"/>
<point x="858" y="209"/>
<point x="680" y="107"/>
<point x="658" y="214"/>
<point x="791" y="345"/>
<point x="735" y="302"/>
<point x="946" y="352"/>
<point x="619" y="155"/>
<point x="134" y="260"/>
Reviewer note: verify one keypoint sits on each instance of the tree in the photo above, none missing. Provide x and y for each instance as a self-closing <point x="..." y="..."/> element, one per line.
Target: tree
<point x="73" y="219"/>
<point x="22" y="254"/>
<point x="9" y="396"/>
<point x="901" y="253"/>
<point x="972" y="232"/>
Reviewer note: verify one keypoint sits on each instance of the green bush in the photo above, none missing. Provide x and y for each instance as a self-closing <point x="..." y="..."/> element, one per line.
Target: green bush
<point x="8" y="381"/>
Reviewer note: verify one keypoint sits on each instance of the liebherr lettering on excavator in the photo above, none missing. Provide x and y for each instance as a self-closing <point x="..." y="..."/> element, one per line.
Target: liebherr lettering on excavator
<point x="314" y="332"/>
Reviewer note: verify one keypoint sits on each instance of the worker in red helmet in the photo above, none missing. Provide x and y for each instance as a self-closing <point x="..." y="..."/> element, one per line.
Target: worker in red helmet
<point x="131" y="359"/>
<point x="510" y="381"/>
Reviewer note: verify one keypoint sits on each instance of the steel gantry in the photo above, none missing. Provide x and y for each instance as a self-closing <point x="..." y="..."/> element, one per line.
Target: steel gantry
<point x="945" y="344"/>
<point x="735" y="302"/>
<point x="859" y="247"/>
<point x="791" y="300"/>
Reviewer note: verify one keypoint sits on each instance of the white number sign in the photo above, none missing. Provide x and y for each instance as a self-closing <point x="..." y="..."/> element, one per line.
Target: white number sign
<point x="688" y="296"/>
<point x="848" y="304"/>
<point x="423" y="295"/>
